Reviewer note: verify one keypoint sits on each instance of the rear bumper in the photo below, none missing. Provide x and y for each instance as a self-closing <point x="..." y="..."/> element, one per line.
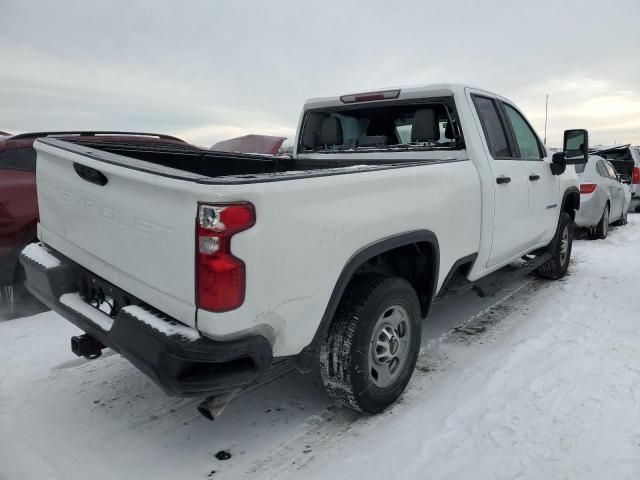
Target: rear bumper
<point x="175" y="356"/>
<point x="590" y="211"/>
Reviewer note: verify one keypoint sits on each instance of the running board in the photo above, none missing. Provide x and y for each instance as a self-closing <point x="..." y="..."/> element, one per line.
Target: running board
<point x="493" y="283"/>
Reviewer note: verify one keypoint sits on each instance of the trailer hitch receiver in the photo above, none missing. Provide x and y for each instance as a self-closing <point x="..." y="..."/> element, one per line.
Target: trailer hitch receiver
<point x="86" y="346"/>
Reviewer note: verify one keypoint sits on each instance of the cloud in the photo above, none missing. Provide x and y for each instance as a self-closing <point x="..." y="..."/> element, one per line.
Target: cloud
<point x="609" y="109"/>
<point x="210" y="69"/>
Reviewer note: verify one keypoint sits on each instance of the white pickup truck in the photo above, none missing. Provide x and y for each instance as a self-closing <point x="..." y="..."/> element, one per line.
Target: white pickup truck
<point x="202" y="268"/>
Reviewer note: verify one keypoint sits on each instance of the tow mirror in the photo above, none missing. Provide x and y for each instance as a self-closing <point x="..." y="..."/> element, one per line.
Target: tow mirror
<point x="575" y="151"/>
<point x="576" y="147"/>
<point x="626" y="179"/>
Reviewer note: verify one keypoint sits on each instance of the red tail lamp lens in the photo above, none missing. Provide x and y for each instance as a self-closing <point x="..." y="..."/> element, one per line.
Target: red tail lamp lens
<point x="220" y="276"/>
<point x="587" y="187"/>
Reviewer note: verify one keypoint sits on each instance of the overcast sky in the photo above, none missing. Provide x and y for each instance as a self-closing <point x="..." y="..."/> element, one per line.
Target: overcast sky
<point x="210" y="70"/>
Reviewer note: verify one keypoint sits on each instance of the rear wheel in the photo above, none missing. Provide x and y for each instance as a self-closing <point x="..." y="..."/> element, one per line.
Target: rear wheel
<point x="602" y="229"/>
<point x="373" y="343"/>
<point x="623" y="220"/>
<point x="557" y="266"/>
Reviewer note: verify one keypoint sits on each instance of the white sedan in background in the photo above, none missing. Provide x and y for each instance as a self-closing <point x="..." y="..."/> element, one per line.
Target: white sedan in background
<point x="604" y="197"/>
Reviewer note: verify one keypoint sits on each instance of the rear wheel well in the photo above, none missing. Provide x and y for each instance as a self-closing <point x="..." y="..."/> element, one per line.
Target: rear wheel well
<point x="413" y="256"/>
<point x="416" y="263"/>
<point x="571" y="203"/>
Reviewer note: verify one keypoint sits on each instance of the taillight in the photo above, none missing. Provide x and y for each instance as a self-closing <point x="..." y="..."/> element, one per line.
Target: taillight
<point x="220" y="276"/>
<point x="587" y="187"/>
<point x="635" y="179"/>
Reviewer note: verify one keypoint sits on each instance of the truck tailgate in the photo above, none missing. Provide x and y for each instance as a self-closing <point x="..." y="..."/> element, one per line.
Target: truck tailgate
<point x="136" y="231"/>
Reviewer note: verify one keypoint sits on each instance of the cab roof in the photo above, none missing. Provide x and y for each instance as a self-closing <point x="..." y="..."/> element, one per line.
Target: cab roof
<point x="403" y="93"/>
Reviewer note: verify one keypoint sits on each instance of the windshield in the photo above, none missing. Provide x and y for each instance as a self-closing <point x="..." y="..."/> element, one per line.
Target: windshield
<point x="419" y="126"/>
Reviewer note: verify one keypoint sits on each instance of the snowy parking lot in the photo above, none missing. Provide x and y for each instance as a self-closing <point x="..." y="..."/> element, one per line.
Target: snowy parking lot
<point x="541" y="381"/>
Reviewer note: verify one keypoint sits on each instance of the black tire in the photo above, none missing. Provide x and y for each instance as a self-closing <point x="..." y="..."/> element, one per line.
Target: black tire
<point x="601" y="230"/>
<point x="347" y="352"/>
<point x="557" y="266"/>
<point x="623" y="220"/>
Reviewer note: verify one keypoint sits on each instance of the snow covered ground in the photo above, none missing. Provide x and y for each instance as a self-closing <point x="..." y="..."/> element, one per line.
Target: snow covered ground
<point x="550" y="389"/>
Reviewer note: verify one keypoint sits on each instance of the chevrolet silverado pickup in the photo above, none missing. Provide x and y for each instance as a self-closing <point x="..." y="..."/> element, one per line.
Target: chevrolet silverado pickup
<point x="203" y="268"/>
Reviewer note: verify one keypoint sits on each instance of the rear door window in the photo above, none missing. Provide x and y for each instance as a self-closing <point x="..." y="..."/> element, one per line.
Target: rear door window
<point x="18" y="159"/>
<point x="526" y="139"/>
<point x="611" y="171"/>
<point x="601" y="169"/>
<point x="492" y="126"/>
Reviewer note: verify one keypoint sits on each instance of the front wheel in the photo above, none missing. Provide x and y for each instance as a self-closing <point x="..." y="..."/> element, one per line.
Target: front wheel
<point x="557" y="266"/>
<point x="373" y="343"/>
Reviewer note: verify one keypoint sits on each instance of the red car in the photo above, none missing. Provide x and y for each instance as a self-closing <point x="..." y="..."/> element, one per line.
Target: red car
<point x="18" y="200"/>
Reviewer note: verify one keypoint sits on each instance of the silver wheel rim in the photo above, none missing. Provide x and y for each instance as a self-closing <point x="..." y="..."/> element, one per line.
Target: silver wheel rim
<point x="564" y="245"/>
<point x="389" y="346"/>
<point x="605" y="223"/>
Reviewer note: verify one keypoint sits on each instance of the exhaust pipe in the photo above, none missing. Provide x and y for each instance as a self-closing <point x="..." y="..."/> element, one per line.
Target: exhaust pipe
<point x="211" y="407"/>
<point x="86" y="346"/>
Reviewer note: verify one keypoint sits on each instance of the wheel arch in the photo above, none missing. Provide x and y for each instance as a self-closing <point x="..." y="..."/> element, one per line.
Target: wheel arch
<point x="571" y="201"/>
<point x="388" y="255"/>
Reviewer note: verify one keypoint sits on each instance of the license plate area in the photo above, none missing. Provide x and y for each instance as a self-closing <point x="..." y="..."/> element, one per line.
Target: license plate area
<point x="103" y="295"/>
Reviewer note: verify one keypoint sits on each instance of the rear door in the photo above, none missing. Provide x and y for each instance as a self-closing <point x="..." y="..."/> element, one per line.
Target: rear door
<point x="511" y="184"/>
<point x="543" y="185"/>
<point x="136" y="230"/>
<point x="616" y="191"/>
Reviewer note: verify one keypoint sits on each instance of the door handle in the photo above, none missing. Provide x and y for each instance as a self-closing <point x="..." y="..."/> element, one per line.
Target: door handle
<point x="533" y="178"/>
<point x="90" y="174"/>
<point x="502" y="179"/>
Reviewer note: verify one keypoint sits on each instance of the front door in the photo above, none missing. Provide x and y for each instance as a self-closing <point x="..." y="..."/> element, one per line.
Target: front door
<point x="544" y="207"/>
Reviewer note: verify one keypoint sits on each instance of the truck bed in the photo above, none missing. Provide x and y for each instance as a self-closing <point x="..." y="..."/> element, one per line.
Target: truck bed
<point x="203" y="166"/>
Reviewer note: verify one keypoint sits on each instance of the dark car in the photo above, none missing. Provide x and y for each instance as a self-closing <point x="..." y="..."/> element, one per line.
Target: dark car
<point x="18" y="200"/>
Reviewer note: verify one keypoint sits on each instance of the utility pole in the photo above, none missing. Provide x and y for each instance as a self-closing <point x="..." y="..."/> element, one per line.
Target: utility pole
<point x="546" y="116"/>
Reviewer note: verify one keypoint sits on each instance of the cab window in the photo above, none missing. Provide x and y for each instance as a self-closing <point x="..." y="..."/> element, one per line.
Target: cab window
<point x="492" y="126"/>
<point x="526" y="139"/>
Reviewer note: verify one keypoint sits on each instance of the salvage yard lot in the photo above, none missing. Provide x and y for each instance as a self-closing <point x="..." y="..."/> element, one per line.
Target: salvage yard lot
<point x="548" y="388"/>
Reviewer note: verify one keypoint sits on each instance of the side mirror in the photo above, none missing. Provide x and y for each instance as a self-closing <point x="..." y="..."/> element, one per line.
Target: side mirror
<point x="626" y="179"/>
<point x="576" y="146"/>
<point x="558" y="163"/>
